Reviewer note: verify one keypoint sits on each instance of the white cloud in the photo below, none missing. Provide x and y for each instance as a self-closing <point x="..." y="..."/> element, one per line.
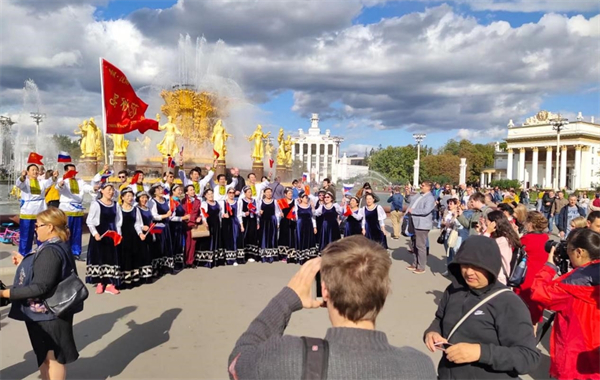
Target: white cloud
<point x="489" y="134"/>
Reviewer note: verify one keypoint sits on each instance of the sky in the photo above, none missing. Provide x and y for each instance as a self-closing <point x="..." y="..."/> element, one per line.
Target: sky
<point x="375" y="71"/>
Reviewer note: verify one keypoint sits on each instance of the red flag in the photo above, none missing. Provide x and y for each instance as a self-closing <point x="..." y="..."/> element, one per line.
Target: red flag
<point x="173" y="204"/>
<point x="291" y="215"/>
<point x="156" y="228"/>
<point x="35" y="158"/>
<point x="204" y="213"/>
<point x="188" y="207"/>
<point x="70" y="174"/>
<point x="252" y="208"/>
<point x="271" y="161"/>
<point x="135" y="179"/>
<point x="170" y="162"/>
<point x="124" y="111"/>
<point x="216" y="154"/>
<point x="114" y="236"/>
<point x="282" y="203"/>
<point x="307" y="190"/>
<point x="228" y="208"/>
<point x="348" y="211"/>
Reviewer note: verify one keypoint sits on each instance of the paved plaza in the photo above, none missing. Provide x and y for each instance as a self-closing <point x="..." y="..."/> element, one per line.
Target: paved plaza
<point x="185" y="326"/>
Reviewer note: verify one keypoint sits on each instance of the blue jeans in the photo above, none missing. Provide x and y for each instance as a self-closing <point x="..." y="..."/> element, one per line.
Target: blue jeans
<point x="547" y="215"/>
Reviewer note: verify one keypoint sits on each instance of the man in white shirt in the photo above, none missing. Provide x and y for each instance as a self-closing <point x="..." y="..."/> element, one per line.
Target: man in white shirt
<point x="221" y="186"/>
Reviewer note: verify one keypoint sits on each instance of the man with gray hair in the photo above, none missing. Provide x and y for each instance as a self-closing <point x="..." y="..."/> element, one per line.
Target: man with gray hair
<point x="420" y="210"/>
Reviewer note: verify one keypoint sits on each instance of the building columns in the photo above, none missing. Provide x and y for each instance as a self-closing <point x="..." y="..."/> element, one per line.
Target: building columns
<point x="482" y="180"/>
<point x="586" y="162"/>
<point x="578" y="172"/>
<point x="563" y="167"/>
<point x="548" y="167"/>
<point x="309" y="159"/>
<point x="318" y="158"/>
<point x="534" y="168"/>
<point x="521" y="171"/>
<point x="509" y="164"/>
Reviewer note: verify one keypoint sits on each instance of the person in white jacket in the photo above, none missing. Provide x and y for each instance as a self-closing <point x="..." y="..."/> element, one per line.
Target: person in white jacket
<point x="32" y="203"/>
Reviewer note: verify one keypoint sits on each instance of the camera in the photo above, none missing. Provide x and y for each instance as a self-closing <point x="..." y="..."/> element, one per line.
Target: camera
<point x="561" y="258"/>
<point x="3" y="301"/>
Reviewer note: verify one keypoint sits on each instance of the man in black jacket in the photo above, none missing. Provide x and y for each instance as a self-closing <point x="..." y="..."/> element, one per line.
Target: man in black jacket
<point x="496" y="341"/>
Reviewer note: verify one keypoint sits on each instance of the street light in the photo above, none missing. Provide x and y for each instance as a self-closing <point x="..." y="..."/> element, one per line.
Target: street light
<point x="37" y="118"/>
<point x="419" y="137"/>
<point x="558" y="124"/>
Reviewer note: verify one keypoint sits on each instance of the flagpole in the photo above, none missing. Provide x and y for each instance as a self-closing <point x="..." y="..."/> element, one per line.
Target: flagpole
<point x="103" y="111"/>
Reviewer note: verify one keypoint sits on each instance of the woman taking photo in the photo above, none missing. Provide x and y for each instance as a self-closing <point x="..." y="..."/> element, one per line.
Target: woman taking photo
<point x="38" y="274"/>
<point x="575" y="339"/>
<point x="499" y="228"/>
<point x="495" y="341"/>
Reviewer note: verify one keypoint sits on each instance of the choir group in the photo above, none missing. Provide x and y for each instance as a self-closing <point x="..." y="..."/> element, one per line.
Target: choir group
<point x="140" y="232"/>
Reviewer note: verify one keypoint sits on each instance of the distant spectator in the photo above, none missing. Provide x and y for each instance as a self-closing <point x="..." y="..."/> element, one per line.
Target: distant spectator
<point x="569" y="212"/>
<point x="593" y="221"/>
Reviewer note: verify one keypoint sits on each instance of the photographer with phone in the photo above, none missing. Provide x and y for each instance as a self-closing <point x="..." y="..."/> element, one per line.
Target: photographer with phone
<point x="488" y="326"/>
<point x="355" y="285"/>
<point x="575" y="339"/>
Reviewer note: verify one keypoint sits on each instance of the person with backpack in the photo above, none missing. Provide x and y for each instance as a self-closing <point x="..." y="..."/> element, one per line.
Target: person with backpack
<point x="499" y="228"/>
<point x="355" y="284"/>
<point x="483" y="329"/>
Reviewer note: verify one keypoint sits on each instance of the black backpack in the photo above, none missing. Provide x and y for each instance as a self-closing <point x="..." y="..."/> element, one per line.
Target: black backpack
<point x="518" y="268"/>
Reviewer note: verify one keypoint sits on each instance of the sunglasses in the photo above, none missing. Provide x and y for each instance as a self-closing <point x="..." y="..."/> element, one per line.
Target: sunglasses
<point x="40" y="225"/>
<point x="328" y="196"/>
<point x="122" y="176"/>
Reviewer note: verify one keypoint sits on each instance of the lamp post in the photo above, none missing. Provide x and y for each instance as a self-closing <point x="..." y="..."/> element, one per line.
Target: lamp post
<point x="558" y="124"/>
<point x="37" y="118"/>
<point x="419" y="137"/>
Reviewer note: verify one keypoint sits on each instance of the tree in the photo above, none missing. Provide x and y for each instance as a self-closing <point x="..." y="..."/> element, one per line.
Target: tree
<point x="479" y="156"/>
<point x="298" y="167"/>
<point x="443" y="168"/>
<point x="396" y="163"/>
<point x="67" y="144"/>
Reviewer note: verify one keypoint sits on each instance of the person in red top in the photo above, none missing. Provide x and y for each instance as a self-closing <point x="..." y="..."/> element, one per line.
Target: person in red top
<point x="534" y="241"/>
<point x="192" y="208"/>
<point x="575" y="297"/>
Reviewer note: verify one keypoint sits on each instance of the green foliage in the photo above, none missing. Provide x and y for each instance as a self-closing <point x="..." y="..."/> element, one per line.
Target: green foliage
<point x="66" y="144"/>
<point x="394" y="162"/>
<point x="442" y="168"/>
<point x="506" y="183"/>
<point x="479" y="156"/>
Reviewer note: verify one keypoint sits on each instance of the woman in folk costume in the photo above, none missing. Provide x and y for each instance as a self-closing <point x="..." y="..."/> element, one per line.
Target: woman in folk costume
<point x="330" y="231"/>
<point x="102" y="258"/>
<point x="32" y="201"/>
<point x="132" y="243"/>
<point x="248" y="219"/>
<point x="192" y="207"/>
<point x="161" y="213"/>
<point x="267" y="228"/>
<point x="177" y="223"/>
<point x="233" y="239"/>
<point x="353" y="224"/>
<point x="287" y="242"/>
<point x="71" y="192"/>
<point x="317" y="202"/>
<point x="373" y="223"/>
<point x="210" y="252"/>
<point x="152" y="245"/>
<point x="306" y="230"/>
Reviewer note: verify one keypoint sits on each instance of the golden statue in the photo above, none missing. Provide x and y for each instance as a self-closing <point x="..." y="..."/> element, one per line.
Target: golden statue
<point x="281" y="154"/>
<point x="258" y="136"/>
<point x="218" y="139"/>
<point x="145" y="143"/>
<point x="91" y="139"/>
<point x="288" y="150"/>
<point x="120" y="144"/>
<point x="269" y="148"/>
<point x="168" y="145"/>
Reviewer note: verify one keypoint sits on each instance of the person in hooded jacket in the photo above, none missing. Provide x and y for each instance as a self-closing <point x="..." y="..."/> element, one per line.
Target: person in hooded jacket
<point x="496" y="341"/>
<point x="575" y="339"/>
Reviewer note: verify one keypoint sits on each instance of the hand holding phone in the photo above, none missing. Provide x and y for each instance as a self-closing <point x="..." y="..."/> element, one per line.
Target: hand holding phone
<point x="442" y="345"/>
<point x="302" y="282"/>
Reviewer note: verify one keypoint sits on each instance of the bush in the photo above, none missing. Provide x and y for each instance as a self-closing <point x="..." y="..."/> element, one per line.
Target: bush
<point x="506" y="183"/>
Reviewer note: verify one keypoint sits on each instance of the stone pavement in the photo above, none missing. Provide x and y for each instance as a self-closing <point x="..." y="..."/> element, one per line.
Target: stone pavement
<point x="185" y="326"/>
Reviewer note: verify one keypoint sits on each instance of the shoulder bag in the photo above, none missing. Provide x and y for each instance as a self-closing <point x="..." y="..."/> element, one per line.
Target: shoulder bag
<point x="315" y="359"/>
<point x="69" y="293"/>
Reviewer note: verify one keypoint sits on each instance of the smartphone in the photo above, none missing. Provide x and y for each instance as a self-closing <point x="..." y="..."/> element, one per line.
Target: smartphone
<point x="442" y="345"/>
<point x="318" y="294"/>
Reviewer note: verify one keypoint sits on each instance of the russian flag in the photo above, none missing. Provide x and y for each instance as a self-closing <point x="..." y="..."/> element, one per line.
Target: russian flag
<point x="104" y="175"/>
<point x="156" y="228"/>
<point x="170" y="162"/>
<point x="64" y="157"/>
<point x="347" y="187"/>
<point x="252" y="208"/>
<point x="304" y="177"/>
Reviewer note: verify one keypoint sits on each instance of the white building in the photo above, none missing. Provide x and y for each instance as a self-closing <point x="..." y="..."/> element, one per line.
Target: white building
<point x="351" y="167"/>
<point x="531" y="154"/>
<point x="319" y="152"/>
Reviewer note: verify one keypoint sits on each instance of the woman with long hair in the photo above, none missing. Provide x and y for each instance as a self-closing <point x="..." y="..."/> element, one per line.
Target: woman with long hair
<point x="287" y="242"/>
<point x="534" y="242"/>
<point x="330" y="230"/>
<point x="373" y="223"/>
<point x="161" y="212"/>
<point x="38" y="274"/>
<point x="103" y="268"/>
<point x="144" y="264"/>
<point x="268" y="212"/>
<point x="210" y="253"/>
<point x="132" y="243"/>
<point x="306" y="230"/>
<point x="248" y="219"/>
<point x="449" y="224"/>
<point x="233" y="240"/>
<point x="500" y="229"/>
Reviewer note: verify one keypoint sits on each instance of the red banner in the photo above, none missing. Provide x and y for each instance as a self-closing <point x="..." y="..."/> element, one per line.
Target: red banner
<point x="124" y="110"/>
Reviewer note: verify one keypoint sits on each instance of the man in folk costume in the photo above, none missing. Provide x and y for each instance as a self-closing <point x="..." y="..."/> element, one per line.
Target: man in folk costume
<point x="32" y="200"/>
<point x="192" y="205"/>
<point x="137" y="182"/>
<point x="221" y="186"/>
<point x="71" y="192"/>
<point x="195" y="177"/>
<point x="257" y="189"/>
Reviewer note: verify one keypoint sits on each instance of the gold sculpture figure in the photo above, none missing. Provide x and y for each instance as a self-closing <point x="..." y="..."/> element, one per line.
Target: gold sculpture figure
<point x="82" y="131"/>
<point x="97" y="138"/>
<point x="281" y="154"/>
<point x="120" y="144"/>
<point x="218" y="139"/>
<point x="258" y="136"/>
<point x="145" y="143"/>
<point x="288" y="150"/>
<point x="91" y="139"/>
<point x="168" y="145"/>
